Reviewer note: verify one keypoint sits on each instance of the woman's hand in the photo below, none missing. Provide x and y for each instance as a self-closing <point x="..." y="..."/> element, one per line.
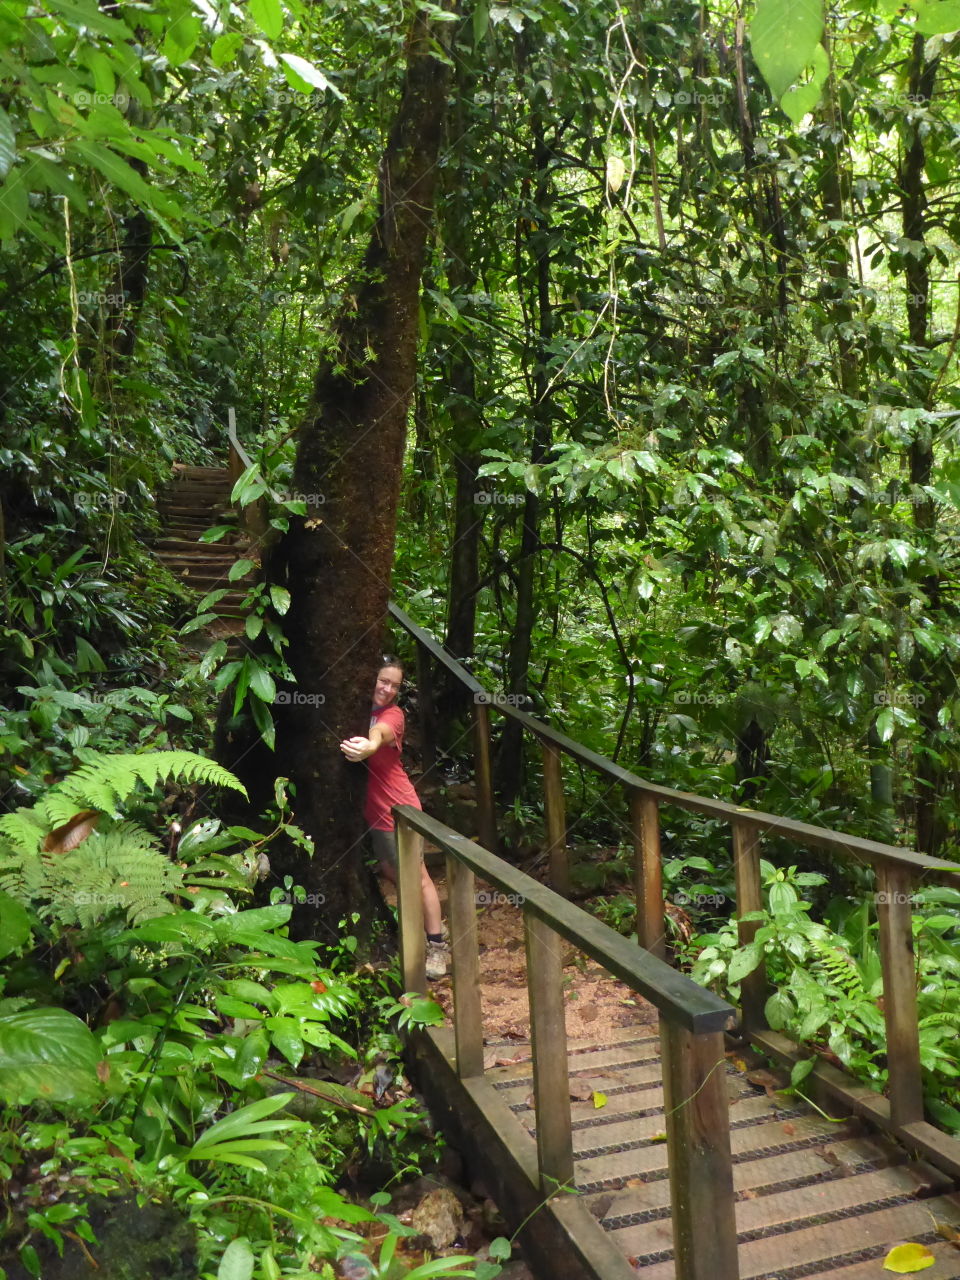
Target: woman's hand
<point x="358" y="748"/>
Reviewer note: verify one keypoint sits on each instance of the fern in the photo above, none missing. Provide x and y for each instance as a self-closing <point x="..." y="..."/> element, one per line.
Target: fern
<point x="839" y="968"/>
<point x="103" y="782"/>
<point x="120" y="868"/>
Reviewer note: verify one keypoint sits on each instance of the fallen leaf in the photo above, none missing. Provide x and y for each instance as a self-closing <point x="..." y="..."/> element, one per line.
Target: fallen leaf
<point x="512" y="1062"/>
<point x="581" y="1090"/>
<point x="103" y="1071"/>
<point x="599" y="1099"/>
<point x="600" y="1206"/>
<point x="589" y="1013"/>
<point x="636" y="1182"/>
<point x="904" y="1259"/>
<point x="789" y="1130"/>
<point x="767" y="1081"/>
<point x="749" y="1194"/>
<point x="658" y="1137"/>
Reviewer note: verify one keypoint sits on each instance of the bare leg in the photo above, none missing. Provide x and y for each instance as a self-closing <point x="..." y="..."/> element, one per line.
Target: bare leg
<point x="432" y="916"/>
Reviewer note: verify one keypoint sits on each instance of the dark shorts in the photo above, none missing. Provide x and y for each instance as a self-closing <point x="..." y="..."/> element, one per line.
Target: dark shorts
<point x="384" y="846"/>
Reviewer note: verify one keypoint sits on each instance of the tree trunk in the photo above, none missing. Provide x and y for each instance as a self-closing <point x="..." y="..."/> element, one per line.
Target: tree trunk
<point x="337" y="561"/>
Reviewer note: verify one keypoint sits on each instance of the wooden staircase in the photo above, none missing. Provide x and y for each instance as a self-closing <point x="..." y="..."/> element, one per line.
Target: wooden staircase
<point x="196" y="499"/>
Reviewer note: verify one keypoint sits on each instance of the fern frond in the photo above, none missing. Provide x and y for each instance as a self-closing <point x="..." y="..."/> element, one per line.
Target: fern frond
<point x="838" y="967"/>
<point x="107" y="780"/>
<point x="24" y="829"/>
<point x="118" y="870"/>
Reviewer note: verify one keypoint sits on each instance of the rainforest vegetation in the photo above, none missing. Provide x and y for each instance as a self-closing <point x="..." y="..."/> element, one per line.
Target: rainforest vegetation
<point x="618" y="344"/>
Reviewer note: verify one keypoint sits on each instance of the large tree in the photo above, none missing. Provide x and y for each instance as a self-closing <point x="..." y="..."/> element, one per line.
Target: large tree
<point x="336" y="561"/>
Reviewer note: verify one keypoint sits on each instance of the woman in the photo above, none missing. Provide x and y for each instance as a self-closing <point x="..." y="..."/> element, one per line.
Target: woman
<point x="387" y="785"/>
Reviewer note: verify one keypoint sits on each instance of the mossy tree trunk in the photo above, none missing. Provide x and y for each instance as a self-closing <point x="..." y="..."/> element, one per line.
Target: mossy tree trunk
<point x="337" y="561"/>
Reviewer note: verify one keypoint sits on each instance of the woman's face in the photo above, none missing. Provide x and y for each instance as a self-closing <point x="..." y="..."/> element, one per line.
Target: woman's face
<point x="387" y="687"/>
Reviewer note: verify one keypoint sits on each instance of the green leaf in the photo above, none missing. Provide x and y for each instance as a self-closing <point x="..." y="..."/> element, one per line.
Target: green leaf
<point x="937" y="17"/>
<point x="15" y="927"/>
<point x="905" y="1259"/>
<point x="225" y="48"/>
<point x="237" y="1262"/>
<point x="247" y="1120"/>
<point x="238" y="569"/>
<point x="49" y="1054"/>
<point x="801" y="99"/>
<point x="268" y="15"/>
<point x="8" y="143"/>
<point x="743" y="962"/>
<point x="783" y="37"/>
<point x="262" y="683"/>
<point x="885" y="723"/>
<point x="304" y="76"/>
<point x="280" y="598"/>
<point x="286" y="1038"/>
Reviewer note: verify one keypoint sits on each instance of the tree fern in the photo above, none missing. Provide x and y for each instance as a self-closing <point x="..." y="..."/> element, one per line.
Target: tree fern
<point x="838" y="967"/>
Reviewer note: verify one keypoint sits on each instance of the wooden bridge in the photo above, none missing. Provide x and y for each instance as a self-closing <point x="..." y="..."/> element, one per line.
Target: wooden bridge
<point x="688" y="1173"/>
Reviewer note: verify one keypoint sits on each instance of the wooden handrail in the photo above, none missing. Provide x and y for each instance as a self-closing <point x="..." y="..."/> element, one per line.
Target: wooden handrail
<point x="678" y="997"/>
<point x="898" y="871"/>
<point x="696" y="1106"/>
<point x="872" y="851"/>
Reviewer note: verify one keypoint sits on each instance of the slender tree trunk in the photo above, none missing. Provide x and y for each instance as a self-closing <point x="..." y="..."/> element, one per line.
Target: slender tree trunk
<point x="337" y="561"/>
<point x="934" y="680"/>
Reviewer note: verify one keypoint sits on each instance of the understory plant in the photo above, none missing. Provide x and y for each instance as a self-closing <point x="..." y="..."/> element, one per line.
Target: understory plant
<point x="828" y="982"/>
<point x="162" y="1040"/>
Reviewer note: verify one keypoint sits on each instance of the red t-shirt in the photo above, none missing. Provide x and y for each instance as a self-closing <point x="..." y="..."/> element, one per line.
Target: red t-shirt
<point x="387" y="782"/>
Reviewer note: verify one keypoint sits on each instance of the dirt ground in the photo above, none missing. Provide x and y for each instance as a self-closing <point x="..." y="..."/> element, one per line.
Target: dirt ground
<point x="595" y="1002"/>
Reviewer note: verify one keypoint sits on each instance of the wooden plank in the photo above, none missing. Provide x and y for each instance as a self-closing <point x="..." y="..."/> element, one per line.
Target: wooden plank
<point x="413" y="940"/>
<point x="787" y="1209"/>
<point x="754" y="988"/>
<point x="549" y="1035"/>
<point x="465" y="953"/>
<point x="554" y="811"/>
<point x="483" y="775"/>
<point x="648" y="871"/>
<point x="630" y="1056"/>
<point x="698" y="1146"/>
<point x="946" y="1267"/>
<point x="691" y="1006"/>
<point x="814" y="1164"/>
<point x="806" y="1246"/>
<point x="646" y="1128"/>
<point x="760" y="1140"/>
<point x="894" y="911"/>
<point x="638" y="1077"/>
<point x="941" y="1149"/>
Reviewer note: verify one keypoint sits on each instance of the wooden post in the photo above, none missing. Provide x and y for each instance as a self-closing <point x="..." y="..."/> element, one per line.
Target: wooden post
<point x="551" y="1082"/>
<point x="746" y="868"/>
<point x="648" y="872"/>
<point x="465" y="950"/>
<point x="483" y="772"/>
<point x="428" y="737"/>
<point x="556" y="819"/>
<point x="894" y="902"/>
<point x="413" y="940"/>
<point x="698" y="1153"/>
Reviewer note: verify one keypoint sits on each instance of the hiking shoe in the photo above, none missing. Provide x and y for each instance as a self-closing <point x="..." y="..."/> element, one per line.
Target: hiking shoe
<point x="438" y="960"/>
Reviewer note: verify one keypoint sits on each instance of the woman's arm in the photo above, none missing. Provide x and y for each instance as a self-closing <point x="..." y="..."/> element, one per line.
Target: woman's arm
<point x="381" y="735"/>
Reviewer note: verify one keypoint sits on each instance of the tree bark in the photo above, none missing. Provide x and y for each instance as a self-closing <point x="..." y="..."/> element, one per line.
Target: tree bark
<point x="337" y="561"/>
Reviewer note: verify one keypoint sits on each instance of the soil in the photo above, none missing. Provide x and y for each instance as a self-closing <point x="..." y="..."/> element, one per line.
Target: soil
<point x="595" y="1001"/>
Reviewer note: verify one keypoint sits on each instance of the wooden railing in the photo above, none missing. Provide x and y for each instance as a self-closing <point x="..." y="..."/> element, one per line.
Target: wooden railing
<point x="899" y="873"/>
<point x="692" y="1020"/>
